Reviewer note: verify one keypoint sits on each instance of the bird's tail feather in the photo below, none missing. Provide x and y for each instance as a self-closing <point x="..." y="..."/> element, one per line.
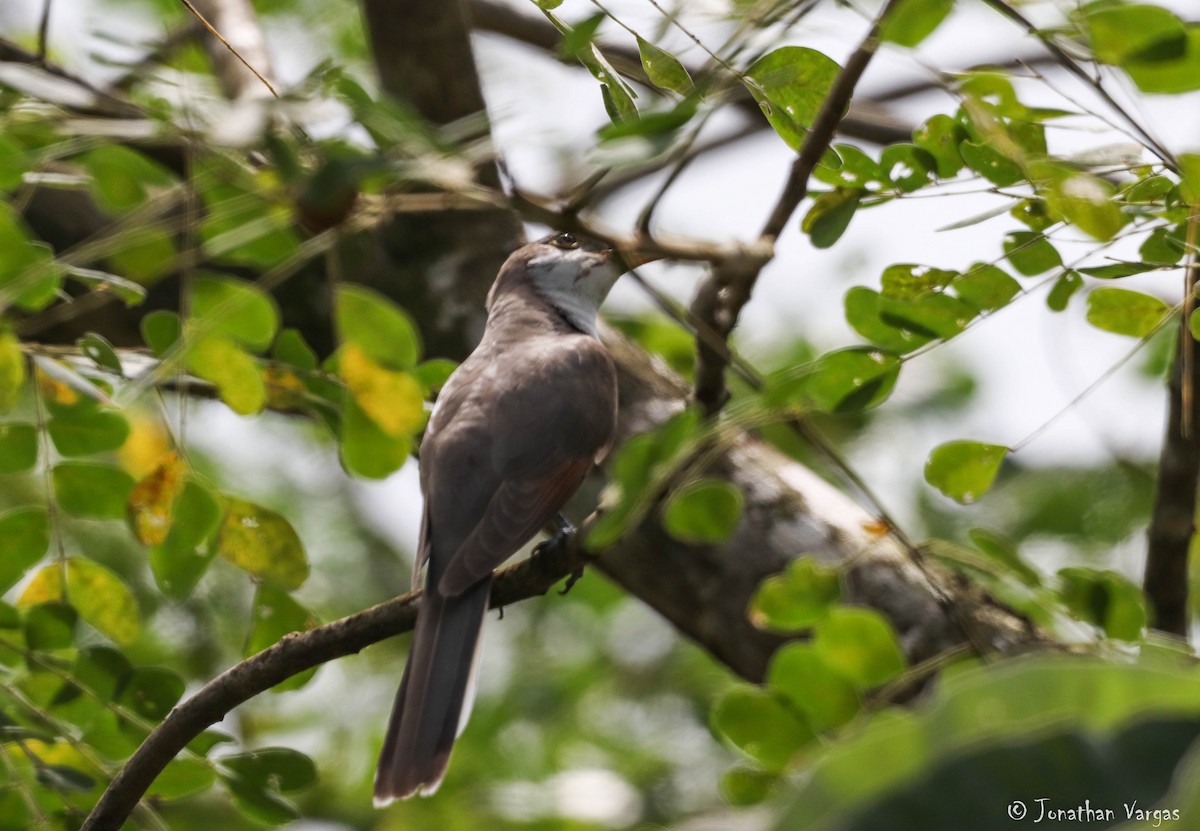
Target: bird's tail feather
<point x="435" y="695"/>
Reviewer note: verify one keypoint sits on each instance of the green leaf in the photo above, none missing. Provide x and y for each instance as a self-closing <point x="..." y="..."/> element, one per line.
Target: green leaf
<point x="146" y="254"/>
<point x="991" y="164"/>
<point x="911" y="21"/>
<point x="797" y="599"/>
<point x="259" y="804"/>
<point x="434" y="373"/>
<point x="1087" y="202"/>
<point x="18" y="447"/>
<point x="90" y="490"/>
<point x="12" y="370"/>
<point x="704" y="512"/>
<point x="1117" y="270"/>
<point x="860" y="645"/>
<point x="1125" y="312"/>
<point x="1064" y="287"/>
<point x="236" y="309"/>
<point x="181" y="559"/>
<point x="378" y="327"/>
<point x="64" y="778"/>
<point x="30" y="278"/>
<point x="50" y="626"/>
<point x="906" y="281"/>
<point x="152" y="692"/>
<point x="1031" y="253"/>
<point x="1003" y="551"/>
<point x="964" y="470"/>
<point x="277" y="614"/>
<point x="800" y="673"/>
<point x="120" y="177"/>
<point x="931" y="316"/>
<point x="246" y="221"/>
<point x="231" y="370"/>
<point x="908" y="167"/>
<point x="102" y="599"/>
<point x="830" y="215"/>
<point x="293" y="350"/>
<point x="1106" y="599"/>
<point x="1189" y="178"/>
<point x="756" y="723"/>
<point x="940" y="136"/>
<point x="663" y="69"/>
<point x="742" y="786"/>
<point x="852" y="380"/>
<point x="864" y="313"/>
<point x="636" y="468"/>
<point x="1164" y="246"/>
<point x="277" y="768"/>
<point x="88" y="432"/>
<point x="985" y="287"/>
<point x="103" y="670"/>
<point x="1118" y="32"/>
<point x="263" y="543"/>
<point x="99" y="596"/>
<point x="13" y="164"/>
<point x="160" y="330"/>
<point x="26" y="536"/>
<point x="854" y="168"/>
<point x="1170" y="75"/>
<point x="100" y="351"/>
<point x="182" y="778"/>
<point x="368" y="451"/>
<point x="790" y="85"/>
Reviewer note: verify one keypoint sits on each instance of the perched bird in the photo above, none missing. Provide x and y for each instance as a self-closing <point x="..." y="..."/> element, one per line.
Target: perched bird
<point x="515" y="431"/>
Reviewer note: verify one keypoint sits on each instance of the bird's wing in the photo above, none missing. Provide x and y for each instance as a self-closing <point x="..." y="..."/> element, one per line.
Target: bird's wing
<point x="519" y="509"/>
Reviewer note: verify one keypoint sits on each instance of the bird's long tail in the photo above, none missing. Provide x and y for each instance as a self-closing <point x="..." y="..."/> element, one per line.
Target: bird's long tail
<point x="435" y="695"/>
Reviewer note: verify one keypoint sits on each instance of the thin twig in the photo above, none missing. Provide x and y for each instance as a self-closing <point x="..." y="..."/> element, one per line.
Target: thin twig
<point x="1071" y="65"/>
<point x="212" y="31"/>
<point x="722" y="296"/>
<point x="43" y="35"/>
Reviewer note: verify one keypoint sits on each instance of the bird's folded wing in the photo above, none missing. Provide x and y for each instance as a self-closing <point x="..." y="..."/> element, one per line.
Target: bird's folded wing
<point x="519" y="509"/>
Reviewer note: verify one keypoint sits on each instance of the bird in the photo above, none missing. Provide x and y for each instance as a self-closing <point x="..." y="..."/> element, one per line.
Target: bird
<point x="515" y="430"/>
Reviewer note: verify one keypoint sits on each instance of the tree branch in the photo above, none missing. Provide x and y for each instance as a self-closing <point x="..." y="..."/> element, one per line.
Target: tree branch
<point x="295" y="654"/>
<point x="1173" y="520"/>
<point x="1071" y="65"/>
<point x="868" y="123"/>
<point x="722" y="296"/>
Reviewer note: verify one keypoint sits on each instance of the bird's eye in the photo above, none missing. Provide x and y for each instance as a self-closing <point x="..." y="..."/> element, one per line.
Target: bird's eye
<point x="567" y="241"/>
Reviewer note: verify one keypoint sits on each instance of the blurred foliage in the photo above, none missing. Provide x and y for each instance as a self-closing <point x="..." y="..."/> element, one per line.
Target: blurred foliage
<point x="142" y="554"/>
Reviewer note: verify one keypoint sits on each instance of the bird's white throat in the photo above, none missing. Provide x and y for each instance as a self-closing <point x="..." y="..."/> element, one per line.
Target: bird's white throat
<point x="575" y="283"/>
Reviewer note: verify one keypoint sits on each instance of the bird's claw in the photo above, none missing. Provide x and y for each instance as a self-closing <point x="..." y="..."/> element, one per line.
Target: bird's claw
<point x="572" y="579"/>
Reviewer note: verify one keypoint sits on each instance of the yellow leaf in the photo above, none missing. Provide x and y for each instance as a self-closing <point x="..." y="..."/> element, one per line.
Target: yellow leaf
<point x="147" y="443"/>
<point x="263" y="543"/>
<point x="98" y="595"/>
<point x="393" y="400"/>
<point x="152" y="501"/>
<point x="12" y="371"/>
<point x="285" y="389"/>
<point x="45" y="587"/>
<point x="52" y="389"/>
<point x="231" y="370"/>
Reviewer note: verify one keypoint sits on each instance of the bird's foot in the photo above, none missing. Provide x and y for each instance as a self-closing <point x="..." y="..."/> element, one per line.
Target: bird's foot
<point x="572" y="579"/>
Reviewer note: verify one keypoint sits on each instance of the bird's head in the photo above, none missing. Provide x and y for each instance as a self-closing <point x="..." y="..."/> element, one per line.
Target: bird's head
<point x="570" y="272"/>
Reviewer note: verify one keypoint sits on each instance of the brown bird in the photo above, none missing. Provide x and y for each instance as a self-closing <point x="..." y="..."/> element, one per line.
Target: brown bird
<point x="515" y="430"/>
